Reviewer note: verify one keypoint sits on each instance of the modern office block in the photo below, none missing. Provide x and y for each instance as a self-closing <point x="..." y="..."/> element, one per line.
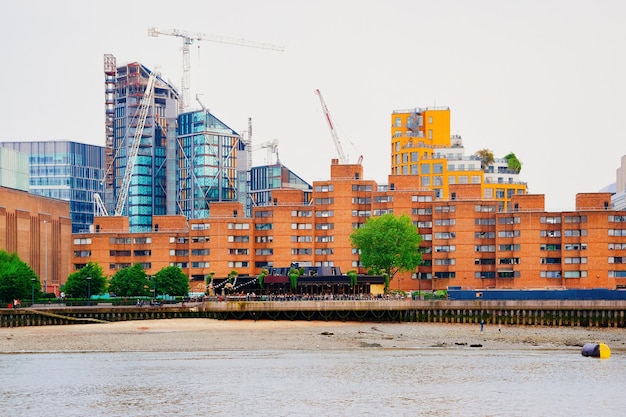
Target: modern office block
<point x="68" y="171"/>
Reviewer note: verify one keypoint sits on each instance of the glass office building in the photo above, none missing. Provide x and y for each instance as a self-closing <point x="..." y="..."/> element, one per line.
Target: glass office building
<point x="68" y="171"/>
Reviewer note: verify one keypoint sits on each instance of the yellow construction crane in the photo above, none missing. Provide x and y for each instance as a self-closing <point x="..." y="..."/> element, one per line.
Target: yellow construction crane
<point x="189" y="38"/>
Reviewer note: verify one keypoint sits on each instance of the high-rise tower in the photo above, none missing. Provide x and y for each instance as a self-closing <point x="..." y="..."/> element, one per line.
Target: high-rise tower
<point x="148" y="191"/>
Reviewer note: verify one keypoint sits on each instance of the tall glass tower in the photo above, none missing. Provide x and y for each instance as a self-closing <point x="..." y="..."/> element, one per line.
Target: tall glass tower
<point x="209" y="157"/>
<point x="67" y="171"/>
<point x="147" y="193"/>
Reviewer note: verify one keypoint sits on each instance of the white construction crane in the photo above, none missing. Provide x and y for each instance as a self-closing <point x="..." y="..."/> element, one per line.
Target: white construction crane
<point x="189" y="38"/>
<point x="343" y="159"/>
<point x="271" y="146"/>
<point x="142" y="111"/>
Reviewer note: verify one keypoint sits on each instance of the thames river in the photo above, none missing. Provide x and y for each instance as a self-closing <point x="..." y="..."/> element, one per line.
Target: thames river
<point x="363" y="382"/>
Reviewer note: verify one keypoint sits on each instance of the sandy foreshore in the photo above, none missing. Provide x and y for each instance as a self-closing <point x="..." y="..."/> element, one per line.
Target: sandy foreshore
<point x="210" y="335"/>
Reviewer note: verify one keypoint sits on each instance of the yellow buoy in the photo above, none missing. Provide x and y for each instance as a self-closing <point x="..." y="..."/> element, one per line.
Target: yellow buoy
<point x="596" y="350"/>
<point x="605" y="351"/>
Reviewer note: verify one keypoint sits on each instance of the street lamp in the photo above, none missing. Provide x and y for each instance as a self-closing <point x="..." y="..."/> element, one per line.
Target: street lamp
<point x="88" y="291"/>
<point x="32" y="287"/>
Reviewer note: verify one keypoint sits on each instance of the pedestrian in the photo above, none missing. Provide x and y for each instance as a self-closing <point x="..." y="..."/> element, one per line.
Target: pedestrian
<point x="482" y="324"/>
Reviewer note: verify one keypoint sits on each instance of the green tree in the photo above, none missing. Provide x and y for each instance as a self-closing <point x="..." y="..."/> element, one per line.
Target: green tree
<point x="262" y="276"/>
<point x="171" y="281"/>
<point x="130" y="281"/>
<point x="294" y="274"/>
<point x="16" y="279"/>
<point x="485" y="156"/>
<point x="78" y="285"/>
<point x="388" y="244"/>
<point x="513" y="163"/>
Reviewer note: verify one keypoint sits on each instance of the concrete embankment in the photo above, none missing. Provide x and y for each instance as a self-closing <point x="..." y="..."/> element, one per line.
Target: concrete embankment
<point x="598" y="313"/>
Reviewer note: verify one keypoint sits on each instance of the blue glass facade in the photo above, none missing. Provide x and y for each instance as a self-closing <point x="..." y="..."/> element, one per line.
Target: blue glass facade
<point x="67" y="171"/>
<point x="147" y="192"/>
<point x="264" y="179"/>
<point x="207" y="163"/>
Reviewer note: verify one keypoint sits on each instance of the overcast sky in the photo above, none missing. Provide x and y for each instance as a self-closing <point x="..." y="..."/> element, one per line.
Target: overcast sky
<point x="543" y="79"/>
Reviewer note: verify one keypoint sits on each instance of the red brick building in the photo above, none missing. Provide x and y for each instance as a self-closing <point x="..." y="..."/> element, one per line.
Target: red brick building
<point x="467" y="242"/>
<point x="39" y="231"/>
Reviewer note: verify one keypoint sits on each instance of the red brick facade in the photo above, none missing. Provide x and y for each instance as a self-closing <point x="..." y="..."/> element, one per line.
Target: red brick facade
<point x="39" y="231"/>
<point x="467" y="242"/>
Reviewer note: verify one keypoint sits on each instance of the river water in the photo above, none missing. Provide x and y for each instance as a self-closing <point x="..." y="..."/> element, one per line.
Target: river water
<point x="363" y="382"/>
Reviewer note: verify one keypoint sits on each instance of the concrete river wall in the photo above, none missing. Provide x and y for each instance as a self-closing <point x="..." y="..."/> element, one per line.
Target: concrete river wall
<point x="597" y="313"/>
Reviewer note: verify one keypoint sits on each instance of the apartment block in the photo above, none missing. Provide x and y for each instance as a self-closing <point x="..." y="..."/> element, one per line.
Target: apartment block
<point x="467" y="241"/>
<point x="421" y="145"/>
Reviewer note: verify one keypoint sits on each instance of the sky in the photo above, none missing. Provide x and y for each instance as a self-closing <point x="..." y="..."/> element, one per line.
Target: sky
<point x="543" y="79"/>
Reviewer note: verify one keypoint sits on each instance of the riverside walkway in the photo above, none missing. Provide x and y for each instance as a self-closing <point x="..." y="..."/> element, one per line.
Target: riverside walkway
<point x="597" y="313"/>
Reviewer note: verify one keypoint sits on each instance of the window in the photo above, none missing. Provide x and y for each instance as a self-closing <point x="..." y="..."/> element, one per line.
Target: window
<point x="238" y="264"/>
<point x="421" y="198"/>
<point x="484" y="261"/>
<point x="575" y="274"/>
<point x="264" y="213"/>
<point x="443" y="262"/>
<point x="237" y="251"/>
<point x="485" y="209"/>
<point x="550" y="233"/>
<point x="550" y="220"/>
<point x="575" y="219"/>
<point x="264" y="239"/>
<point x="324" y="239"/>
<point x="239" y="239"/>
<point x="422" y="211"/>
<point x="508" y="220"/>
<point x="443" y="275"/>
<point x="509" y="233"/>
<point x="550" y="274"/>
<point x="301" y="226"/>
<point x="485" y="222"/>
<point x="576" y="246"/>
<point x="509" y="261"/>
<point x="617" y="246"/>
<point x="141" y="240"/>
<point x="572" y="232"/>
<point x="617" y="274"/>
<point x="515" y="247"/>
<point x="301" y="251"/>
<point x="302" y="239"/>
<point x="617" y="232"/>
<point x="485" y="248"/>
<point x="445" y="209"/>
<point x="324" y="188"/>
<point x="617" y="219"/>
<point x="264" y="252"/>
<point x="550" y="260"/>
<point x="445" y="248"/>
<point x="264" y="226"/>
<point x="547" y="246"/>
<point x="424" y="225"/>
<point x="200" y="252"/>
<point x="445" y="222"/>
<point x="82" y="253"/>
<point x="200" y="226"/>
<point x="484" y="274"/>
<point x="617" y="259"/>
<point x="239" y="226"/>
<point x="301" y="213"/>
<point x="484" y="235"/>
<point x="445" y="235"/>
<point x="575" y="260"/>
<point x="324" y="201"/>
<point x="324" y="251"/>
<point x="324" y="226"/>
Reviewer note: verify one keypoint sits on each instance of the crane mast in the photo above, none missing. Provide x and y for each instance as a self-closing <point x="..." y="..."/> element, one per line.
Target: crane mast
<point x="144" y="106"/>
<point x="342" y="156"/>
<point x="188" y="38"/>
